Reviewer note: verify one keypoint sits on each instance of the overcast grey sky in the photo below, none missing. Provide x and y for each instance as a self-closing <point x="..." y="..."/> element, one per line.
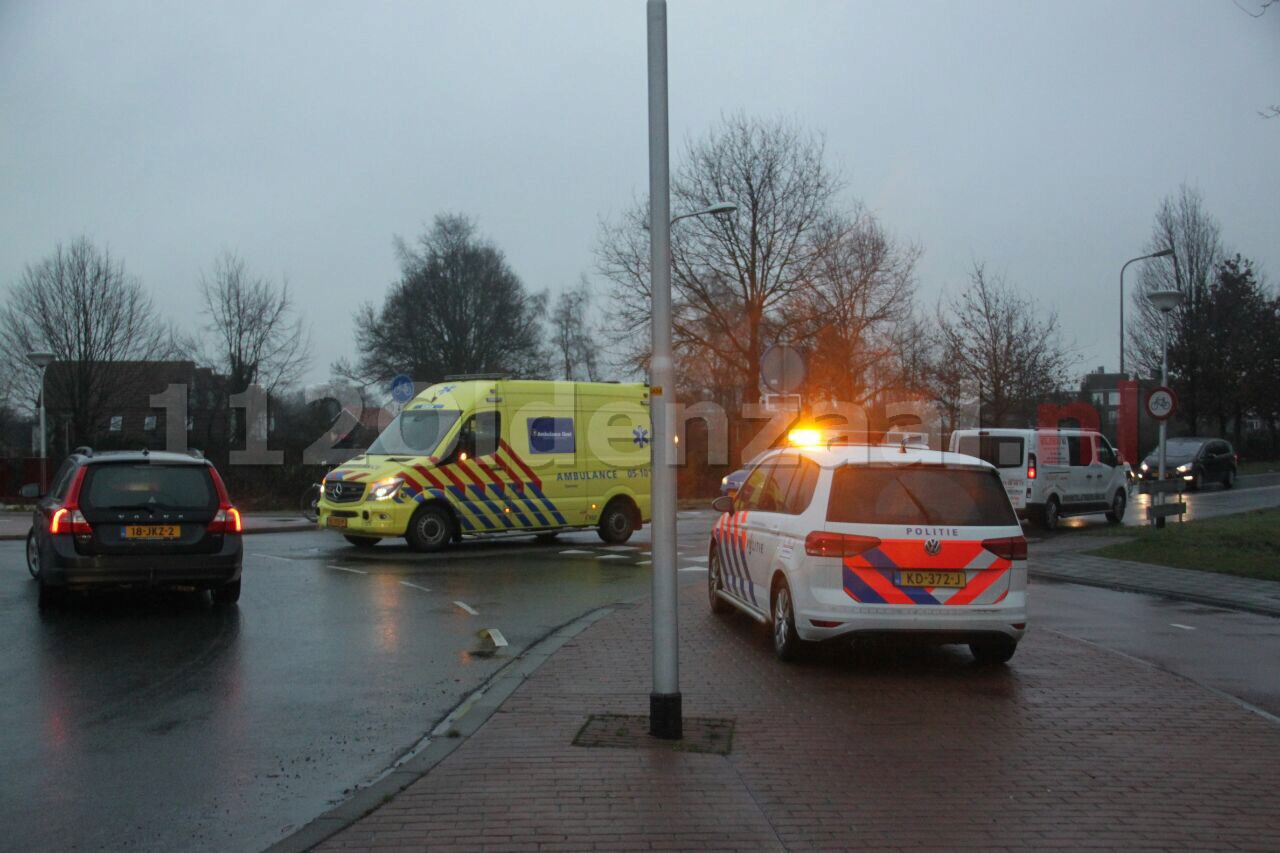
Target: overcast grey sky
<point x="1038" y="137"/>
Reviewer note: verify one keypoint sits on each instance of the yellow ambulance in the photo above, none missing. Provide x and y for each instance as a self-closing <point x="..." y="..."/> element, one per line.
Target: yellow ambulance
<point x="479" y="456"/>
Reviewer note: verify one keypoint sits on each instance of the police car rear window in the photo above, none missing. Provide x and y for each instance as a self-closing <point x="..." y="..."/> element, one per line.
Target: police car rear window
<point x="1002" y="451"/>
<point x="868" y="494"/>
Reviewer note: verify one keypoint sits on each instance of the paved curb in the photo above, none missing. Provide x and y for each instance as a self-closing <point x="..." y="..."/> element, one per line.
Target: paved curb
<point x="446" y="736"/>
<point x="1120" y="586"/>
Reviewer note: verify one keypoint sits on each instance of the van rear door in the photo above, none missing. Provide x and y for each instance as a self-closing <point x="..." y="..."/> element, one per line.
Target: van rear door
<point x="1008" y="453"/>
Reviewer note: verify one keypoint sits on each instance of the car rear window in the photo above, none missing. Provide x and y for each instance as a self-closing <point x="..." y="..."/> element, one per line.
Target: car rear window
<point x="1002" y="451"/>
<point x="156" y="486"/>
<point x="871" y="494"/>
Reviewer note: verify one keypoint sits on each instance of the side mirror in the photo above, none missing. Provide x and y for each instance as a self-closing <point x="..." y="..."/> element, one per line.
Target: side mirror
<point x="30" y="490"/>
<point x="724" y="503"/>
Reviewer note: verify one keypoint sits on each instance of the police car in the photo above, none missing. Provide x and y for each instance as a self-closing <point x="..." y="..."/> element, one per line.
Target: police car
<point x="824" y="542"/>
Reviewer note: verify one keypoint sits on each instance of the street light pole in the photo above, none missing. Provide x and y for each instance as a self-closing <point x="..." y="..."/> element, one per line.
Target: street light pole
<point x="1164" y="253"/>
<point x="665" y="718"/>
<point x="42" y="361"/>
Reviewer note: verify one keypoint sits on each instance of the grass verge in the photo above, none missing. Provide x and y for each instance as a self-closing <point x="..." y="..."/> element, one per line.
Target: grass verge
<point x="1247" y="545"/>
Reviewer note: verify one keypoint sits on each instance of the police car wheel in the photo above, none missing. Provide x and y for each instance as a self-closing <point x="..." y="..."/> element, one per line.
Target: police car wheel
<point x="995" y="650"/>
<point x="715" y="583"/>
<point x="431" y="529"/>
<point x="786" y="642"/>
<point x="361" y="541"/>
<point x="1116" y="514"/>
<point x="615" y="524"/>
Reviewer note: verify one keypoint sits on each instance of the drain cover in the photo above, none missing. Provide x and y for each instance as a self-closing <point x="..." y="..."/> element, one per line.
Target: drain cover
<point x="631" y="731"/>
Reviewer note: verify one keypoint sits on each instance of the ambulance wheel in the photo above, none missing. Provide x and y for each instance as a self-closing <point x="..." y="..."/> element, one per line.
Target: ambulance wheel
<point x="1049" y="514"/>
<point x="1116" y="514"/>
<point x="616" y="523"/>
<point x="994" y="650"/>
<point x="430" y="529"/>
<point x="786" y="642"/>
<point x="715" y="583"/>
<point x="361" y="541"/>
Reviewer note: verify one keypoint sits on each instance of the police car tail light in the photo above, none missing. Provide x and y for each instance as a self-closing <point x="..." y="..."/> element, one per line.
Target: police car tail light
<point x="1031" y="466"/>
<point x="820" y="543"/>
<point x="1008" y="548"/>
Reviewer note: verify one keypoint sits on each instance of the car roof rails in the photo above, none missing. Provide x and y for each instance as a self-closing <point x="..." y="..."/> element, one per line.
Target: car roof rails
<point x="82" y="450"/>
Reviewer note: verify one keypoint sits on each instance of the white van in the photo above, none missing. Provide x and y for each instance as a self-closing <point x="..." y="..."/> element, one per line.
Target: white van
<point x="1050" y="473"/>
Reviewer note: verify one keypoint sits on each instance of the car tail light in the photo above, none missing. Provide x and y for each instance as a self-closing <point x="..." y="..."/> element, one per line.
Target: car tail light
<point x="228" y="518"/>
<point x="1009" y="548"/>
<point x="820" y="543"/>
<point x="67" y="520"/>
<point x="1031" y="466"/>
<point x="226" y="521"/>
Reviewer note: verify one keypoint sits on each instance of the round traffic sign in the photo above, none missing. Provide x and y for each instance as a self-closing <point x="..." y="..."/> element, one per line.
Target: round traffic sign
<point x="1162" y="403"/>
<point x="402" y="388"/>
<point x="782" y="368"/>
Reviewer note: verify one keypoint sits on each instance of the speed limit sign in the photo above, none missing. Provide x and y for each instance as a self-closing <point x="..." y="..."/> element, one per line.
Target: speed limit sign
<point x="1162" y="403"/>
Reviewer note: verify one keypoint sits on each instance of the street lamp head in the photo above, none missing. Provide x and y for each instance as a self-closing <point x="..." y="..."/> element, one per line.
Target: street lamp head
<point x="1163" y="253"/>
<point x="723" y="208"/>
<point x="1165" y="301"/>
<point x="40" y="359"/>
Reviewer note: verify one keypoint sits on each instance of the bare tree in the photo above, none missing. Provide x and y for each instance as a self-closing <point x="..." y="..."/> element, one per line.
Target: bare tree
<point x="573" y="333"/>
<point x="1008" y="349"/>
<point x="735" y="280"/>
<point x="1182" y="223"/>
<point x="101" y="326"/>
<point x="255" y="331"/>
<point x="863" y="288"/>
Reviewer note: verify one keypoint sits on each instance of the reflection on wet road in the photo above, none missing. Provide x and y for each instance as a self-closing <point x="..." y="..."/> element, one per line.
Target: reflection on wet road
<point x="158" y="723"/>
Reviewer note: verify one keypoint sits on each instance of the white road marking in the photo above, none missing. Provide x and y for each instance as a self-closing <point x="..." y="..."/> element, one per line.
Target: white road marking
<point x="643" y="562"/>
<point x="496" y="636"/>
<point x="345" y="569"/>
<point x="462" y="605"/>
<point x="620" y="548"/>
<point x="693" y="568"/>
<point x="1183" y="627"/>
<point x="414" y="585"/>
<point x="572" y="551"/>
<point x="697" y="559"/>
<point x="610" y="557"/>
<point x="274" y="557"/>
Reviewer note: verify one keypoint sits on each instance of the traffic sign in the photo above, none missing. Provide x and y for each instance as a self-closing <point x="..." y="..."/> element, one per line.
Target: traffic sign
<point x="782" y="368"/>
<point x="1162" y="403"/>
<point x="402" y="388"/>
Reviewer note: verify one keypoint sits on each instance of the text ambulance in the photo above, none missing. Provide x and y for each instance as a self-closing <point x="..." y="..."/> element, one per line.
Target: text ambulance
<point x="484" y="456"/>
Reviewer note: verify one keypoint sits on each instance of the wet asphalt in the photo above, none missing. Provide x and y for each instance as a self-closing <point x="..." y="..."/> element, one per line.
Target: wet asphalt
<point x="160" y="723"/>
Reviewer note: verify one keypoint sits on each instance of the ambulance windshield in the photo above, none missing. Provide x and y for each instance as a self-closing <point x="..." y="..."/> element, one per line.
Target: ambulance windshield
<point x="415" y="432"/>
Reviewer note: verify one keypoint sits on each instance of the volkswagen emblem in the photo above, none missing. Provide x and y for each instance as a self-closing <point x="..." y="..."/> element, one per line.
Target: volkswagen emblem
<point x="932" y="547"/>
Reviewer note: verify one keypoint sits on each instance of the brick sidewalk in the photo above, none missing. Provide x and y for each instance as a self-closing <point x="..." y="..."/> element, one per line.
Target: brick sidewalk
<point x="1067" y="747"/>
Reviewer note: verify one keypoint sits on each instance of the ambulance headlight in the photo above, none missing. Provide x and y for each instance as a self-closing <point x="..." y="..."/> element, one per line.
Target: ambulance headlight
<point x="1145" y="466"/>
<point x="1182" y="469"/>
<point x="385" y="489"/>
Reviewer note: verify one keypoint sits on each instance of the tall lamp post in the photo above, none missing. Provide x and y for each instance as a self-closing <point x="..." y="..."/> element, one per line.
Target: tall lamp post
<point x="42" y="360"/>
<point x="665" y="718"/>
<point x="1164" y="253"/>
<point x="1164" y="301"/>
